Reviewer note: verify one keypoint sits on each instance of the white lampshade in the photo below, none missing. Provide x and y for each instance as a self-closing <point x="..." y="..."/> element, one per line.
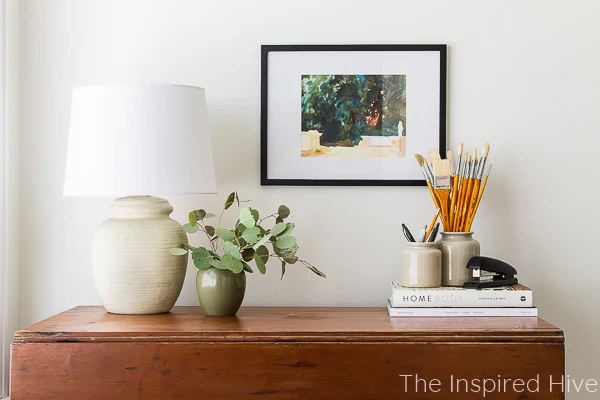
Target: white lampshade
<point x="139" y="140"/>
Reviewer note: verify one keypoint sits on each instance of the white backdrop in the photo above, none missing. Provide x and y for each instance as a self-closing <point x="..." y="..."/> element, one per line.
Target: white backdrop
<point x="522" y="76"/>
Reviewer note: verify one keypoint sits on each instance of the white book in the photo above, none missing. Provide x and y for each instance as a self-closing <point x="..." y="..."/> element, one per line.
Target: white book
<point x="505" y="296"/>
<point x="462" y="312"/>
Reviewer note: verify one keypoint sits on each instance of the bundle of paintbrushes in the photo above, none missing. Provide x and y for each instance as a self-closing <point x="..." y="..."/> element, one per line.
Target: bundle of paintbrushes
<point x="456" y="187"/>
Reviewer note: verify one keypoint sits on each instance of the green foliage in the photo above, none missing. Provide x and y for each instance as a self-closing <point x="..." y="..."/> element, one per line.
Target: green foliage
<point x="285" y="242"/>
<point x="346" y="107"/>
<point x="191" y="228"/>
<point x="247" y="242"/>
<point x="176" y="251"/>
<point x="246" y="217"/>
<point x="202" y="258"/>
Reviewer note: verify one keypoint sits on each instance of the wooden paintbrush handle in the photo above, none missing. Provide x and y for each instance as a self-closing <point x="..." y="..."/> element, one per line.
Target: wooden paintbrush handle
<point x="431" y="225"/>
<point x="478" y="201"/>
<point x="463" y="211"/>
<point x="436" y="201"/>
<point x="471" y="204"/>
<point x="461" y="202"/>
<point x="443" y="196"/>
<point x="453" y="201"/>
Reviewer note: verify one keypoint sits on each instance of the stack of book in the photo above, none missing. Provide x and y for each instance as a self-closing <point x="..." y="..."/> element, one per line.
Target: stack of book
<point x="506" y="301"/>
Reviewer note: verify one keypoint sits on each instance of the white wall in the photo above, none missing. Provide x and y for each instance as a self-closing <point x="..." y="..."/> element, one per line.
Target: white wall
<point x="523" y="75"/>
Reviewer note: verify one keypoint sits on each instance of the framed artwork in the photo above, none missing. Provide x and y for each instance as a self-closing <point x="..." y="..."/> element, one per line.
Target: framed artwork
<point x="350" y="114"/>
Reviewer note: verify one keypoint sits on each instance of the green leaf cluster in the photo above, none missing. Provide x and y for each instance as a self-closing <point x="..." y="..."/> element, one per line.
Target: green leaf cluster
<point x="247" y="242"/>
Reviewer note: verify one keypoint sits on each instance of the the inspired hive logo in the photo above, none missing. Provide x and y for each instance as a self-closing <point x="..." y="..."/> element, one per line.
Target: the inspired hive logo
<point x="523" y="298"/>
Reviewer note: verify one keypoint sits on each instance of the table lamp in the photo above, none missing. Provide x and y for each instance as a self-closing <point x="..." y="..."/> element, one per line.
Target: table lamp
<point x="138" y="141"/>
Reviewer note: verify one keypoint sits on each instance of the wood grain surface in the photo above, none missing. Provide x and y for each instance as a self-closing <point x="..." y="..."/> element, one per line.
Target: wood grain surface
<point x="278" y="353"/>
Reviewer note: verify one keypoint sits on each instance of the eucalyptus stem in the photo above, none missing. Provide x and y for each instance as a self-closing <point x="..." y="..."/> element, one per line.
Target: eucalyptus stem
<point x="203" y="226"/>
<point x="268" y="216"/>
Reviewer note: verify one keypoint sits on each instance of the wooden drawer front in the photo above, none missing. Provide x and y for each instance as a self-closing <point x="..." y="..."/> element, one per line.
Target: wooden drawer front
<point x="193" y="370"/>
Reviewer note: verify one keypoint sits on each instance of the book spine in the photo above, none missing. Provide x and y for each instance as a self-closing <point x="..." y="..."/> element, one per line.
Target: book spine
<point x="463" y="312"/>
<point x="467" y="298"/>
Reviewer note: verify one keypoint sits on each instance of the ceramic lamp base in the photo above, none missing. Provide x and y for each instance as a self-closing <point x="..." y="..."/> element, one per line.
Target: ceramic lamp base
<point x="133" y="269"/>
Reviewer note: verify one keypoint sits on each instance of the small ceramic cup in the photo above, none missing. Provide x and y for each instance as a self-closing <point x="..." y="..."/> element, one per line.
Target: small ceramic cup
<point x="421" y="265"/>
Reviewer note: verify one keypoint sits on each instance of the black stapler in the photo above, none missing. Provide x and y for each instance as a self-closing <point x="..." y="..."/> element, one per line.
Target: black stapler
<point x="490" y="272"/>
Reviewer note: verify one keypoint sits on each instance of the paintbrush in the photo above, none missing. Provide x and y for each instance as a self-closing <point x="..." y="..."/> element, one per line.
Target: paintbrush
<point x="432" y="223"/>
<point x="441" y="185"/>
<point x="487" y="175"/>
<point x="476" y="185"/>
<point x="428" y="177"/>
<point x="468" y="193"/>
<point x="461" y="192"/>
<point x="455" y="181"/>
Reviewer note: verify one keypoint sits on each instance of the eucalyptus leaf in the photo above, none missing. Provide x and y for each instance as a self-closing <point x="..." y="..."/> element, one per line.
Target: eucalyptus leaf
<point x="200" y="214"/>
<point x="224" y="234"/>
<point x="231" y="249"/>
<point x="313" y="268"/>
<point x="192" y="218"/>
<point x="260" y="264"/>
<point x="209" y="215"/>
<point x="232" y="264"/>
<point x="255" y="214"/>
<point x="283" y="211"/>
<point x="289" y="254"/>
<point x="202" y="258"/>
<point x="285" y="242"/>
<point x="282" y="269"/>
<point x="278" y="220"/>
<point x="289" y="228"/>
<point x="251" y="235"/>
<point x="239" y="228"/>
<point x="210" y="230"/>
<point x="177" y="251"/>
<point x="230" y="200"/>
<point x="278" y="229"/>
<point x="247" y="267"/>
<point x="262" y="241"/>
<point x="246" y="217"/>
<point x="237" y="198"/>
<point x="217" y="264"/>
<point x="248" y="254"/>
<point x="190" y="229"/>
<point x="261" y="257"/>
<point x="237" y="267"/>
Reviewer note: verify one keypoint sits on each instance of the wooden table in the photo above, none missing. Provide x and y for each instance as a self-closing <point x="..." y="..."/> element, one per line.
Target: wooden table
<point x="281" y="353"/>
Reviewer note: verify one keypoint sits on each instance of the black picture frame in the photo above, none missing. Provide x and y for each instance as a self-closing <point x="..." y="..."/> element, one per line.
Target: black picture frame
<point x="264" y="137"/>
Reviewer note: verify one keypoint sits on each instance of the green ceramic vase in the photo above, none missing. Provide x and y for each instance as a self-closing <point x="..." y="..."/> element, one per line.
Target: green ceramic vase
<point x="220" y="291"/>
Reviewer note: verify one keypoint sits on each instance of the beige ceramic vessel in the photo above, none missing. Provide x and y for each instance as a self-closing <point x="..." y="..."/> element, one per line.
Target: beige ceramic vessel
<point x="421" y="265"/>
<point x="457" y="249"/>
<point x="133" y="269"/>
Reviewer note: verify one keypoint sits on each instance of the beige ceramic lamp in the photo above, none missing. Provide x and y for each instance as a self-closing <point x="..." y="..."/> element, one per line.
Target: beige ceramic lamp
<point x="139" y="141"/>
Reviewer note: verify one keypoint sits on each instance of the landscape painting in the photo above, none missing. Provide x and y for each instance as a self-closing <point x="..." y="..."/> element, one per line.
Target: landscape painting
<point x="353" y="116"/>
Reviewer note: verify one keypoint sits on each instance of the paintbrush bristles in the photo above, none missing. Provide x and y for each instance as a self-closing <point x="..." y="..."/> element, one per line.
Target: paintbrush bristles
<point x="486" y="150"/>
<point x="441" y="168"/>
<point x="460" y="149"/>
<point x="420" y="159"/>
<point x="434" y="155"/>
